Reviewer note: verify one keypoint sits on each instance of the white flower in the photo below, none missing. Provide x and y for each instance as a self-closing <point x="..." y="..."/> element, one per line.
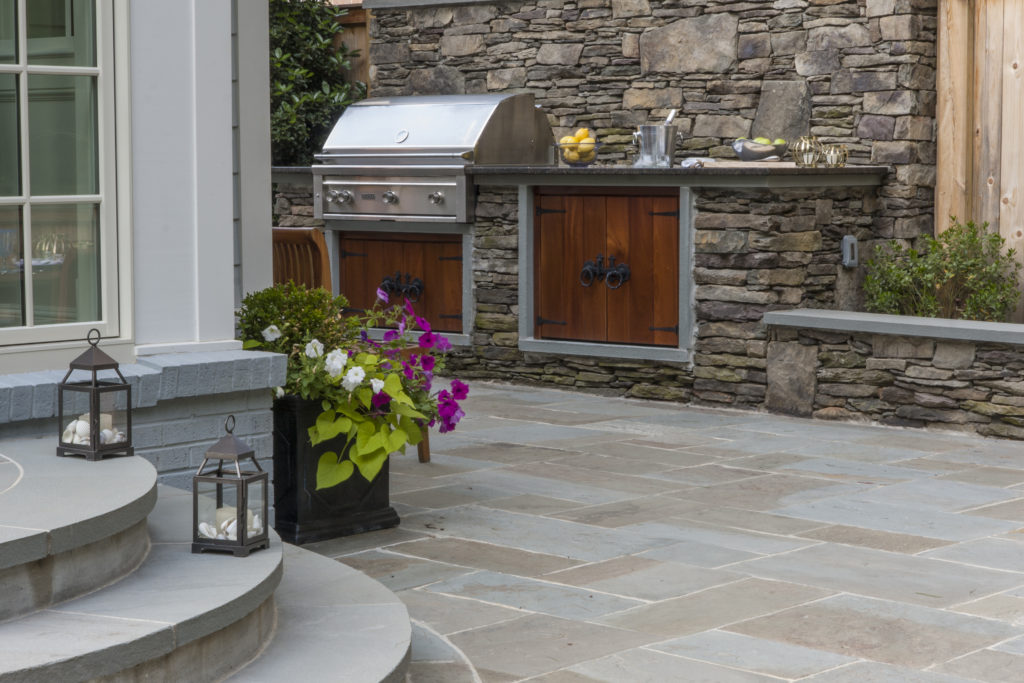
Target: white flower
<point x="272" y="333"/>
<point x="353" y="378"/>
<point x="314" y="349"/>
<point x="377" y="384"/>
<point x="279" y="392"/>
<point x="335" y="363"/>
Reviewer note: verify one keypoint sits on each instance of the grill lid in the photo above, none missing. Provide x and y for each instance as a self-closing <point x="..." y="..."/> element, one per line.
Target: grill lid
<point x="452" y="129"/>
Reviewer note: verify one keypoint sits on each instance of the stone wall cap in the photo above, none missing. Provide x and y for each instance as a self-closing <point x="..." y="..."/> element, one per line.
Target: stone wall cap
<point x="393" y="4"/>
<point x="718" y="174"/>
<point x="898" y="325"/>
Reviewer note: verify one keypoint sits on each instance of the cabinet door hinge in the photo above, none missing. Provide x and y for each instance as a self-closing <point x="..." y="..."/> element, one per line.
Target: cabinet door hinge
<point x="664" y="213"/>
<point x="545" y="321"/>
<point x="345" y="253"/>
<point x="665" y="329"/>
<point x="451" y="316"/>
<point x="541" y="211"/>
<point x="449" y="258"/>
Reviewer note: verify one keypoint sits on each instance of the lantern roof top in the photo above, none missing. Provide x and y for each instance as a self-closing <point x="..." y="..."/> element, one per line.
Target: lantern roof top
<point x="93" y="358"/>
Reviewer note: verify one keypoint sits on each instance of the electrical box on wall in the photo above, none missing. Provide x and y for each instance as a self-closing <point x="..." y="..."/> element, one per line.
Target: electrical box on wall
<point x="850" y="251"/>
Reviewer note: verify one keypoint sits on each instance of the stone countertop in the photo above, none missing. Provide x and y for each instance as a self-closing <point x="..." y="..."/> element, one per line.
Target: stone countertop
<point x="713" y="174"/>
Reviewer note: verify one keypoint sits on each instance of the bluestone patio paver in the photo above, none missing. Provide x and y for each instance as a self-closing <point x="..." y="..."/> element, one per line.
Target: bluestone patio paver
<point x="562" y="537"/>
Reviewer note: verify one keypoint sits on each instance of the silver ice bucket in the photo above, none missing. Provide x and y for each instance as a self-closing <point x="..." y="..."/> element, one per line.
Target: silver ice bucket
<point x="656" y="146"/>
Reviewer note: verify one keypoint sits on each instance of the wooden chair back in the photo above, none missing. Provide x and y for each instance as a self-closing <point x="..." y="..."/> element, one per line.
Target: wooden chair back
<point x="300" y="254"/>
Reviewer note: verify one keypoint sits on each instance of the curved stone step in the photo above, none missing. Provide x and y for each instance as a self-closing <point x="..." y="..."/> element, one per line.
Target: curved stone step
<point x="198" y="615"/>
<point x="333" y="623"/>
<point x="67" y="525"/>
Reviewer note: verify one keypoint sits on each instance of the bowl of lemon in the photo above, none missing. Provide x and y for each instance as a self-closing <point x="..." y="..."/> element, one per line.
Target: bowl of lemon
<point x="578" y="150"/>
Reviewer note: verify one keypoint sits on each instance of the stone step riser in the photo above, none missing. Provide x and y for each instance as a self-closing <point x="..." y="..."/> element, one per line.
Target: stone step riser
<point x="210" y="658"/>
<point x="53" y="579"/>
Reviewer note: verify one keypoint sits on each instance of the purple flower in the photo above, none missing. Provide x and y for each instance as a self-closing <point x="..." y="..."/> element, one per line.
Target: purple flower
<point x="380" y="400"/>
<point x="442" y="344"/>
<point x="427" y="362"/>
<point x="427" y="340"/>
<point x="382" y="295"/>
<point x="422" y="324"/>
<point x="408" y="307"/>
<point x="460" y="390"/>
<point x="391" y="335"/>
<point x="363" y="335"/>
<point x="448" y="410"/>
<point x="408" y="370"/>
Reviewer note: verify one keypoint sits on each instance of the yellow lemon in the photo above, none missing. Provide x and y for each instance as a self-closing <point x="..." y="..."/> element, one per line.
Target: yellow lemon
<point x="586" y="156"/>
<point x="570" y="154"/>
<point x="568" y="140"/>
<point x="586" y="145"/>
<point x="582" y="134"/>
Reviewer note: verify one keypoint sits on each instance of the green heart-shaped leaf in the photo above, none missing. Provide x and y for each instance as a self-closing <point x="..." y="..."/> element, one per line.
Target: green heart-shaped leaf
<point x="330" y="472"/>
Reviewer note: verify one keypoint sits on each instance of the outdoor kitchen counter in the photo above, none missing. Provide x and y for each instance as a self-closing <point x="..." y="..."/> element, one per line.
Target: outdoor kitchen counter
<point x="714" y="174"/>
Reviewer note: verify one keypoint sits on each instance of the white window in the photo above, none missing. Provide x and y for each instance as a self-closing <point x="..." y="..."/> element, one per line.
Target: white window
<point x="58" y="203"/>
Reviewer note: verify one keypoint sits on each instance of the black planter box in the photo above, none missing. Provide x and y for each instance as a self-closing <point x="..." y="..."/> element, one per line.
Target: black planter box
<point x="302" y="513"/>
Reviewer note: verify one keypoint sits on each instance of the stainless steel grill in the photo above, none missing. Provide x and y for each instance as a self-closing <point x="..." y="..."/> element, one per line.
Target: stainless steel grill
<point x="405" y="158"/>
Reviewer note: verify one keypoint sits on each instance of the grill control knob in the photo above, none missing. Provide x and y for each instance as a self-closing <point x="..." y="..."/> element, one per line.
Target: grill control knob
<point x="340" y="196"/>
<point x="389" y="197"/>
<point x="436" y="197"/>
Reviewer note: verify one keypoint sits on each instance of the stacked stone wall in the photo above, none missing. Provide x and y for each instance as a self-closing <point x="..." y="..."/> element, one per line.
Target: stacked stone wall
<point x="906" y="381"/>
<point x="293" y="206"/>
<point x="855" y="72"/>
<point x="754" y="251"/>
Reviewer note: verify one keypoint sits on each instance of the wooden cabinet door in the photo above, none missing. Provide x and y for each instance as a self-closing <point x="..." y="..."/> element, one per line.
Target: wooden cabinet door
<point x="569" y="232"/>
<point x="641" y="231"/>
<point x="366" y="259"/>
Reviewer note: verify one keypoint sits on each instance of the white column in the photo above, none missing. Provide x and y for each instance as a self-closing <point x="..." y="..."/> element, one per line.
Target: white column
<point x="182" y="185"/>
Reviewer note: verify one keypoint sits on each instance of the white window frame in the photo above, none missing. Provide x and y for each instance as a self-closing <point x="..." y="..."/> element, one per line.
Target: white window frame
<point x="113" y="137"/>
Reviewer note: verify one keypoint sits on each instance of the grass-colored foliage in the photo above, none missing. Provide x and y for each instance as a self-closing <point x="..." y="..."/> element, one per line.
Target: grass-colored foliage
<point x="299" y="315"/>
<point x="308" y="91"/>
<point x="965" y="273"/>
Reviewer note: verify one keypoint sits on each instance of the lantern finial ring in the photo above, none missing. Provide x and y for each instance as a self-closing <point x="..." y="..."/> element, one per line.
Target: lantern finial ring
<point x="229" y="424"/>
<point x="89" y="338"/>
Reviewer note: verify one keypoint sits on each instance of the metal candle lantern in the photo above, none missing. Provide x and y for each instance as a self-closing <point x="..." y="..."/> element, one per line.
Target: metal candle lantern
<point x="103" y="425"/>
<point x="807" y="152"/>
<point x="229" y="508"/>
<point x="834" y="156"/>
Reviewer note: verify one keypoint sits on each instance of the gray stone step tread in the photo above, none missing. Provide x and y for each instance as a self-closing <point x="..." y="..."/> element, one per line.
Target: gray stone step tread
<point x="333" y="623"/>
<point x="173" y="598"/>
<point x="60" y="504"/>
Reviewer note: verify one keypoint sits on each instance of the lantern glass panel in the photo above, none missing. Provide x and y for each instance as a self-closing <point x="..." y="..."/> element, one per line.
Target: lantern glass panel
<point x="101" y="425"/>
<point x="255" y="501"/>
<point x="217" y="509"/>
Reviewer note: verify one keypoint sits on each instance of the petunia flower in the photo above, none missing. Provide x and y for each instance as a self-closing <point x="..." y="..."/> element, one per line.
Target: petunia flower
<point x="382" y="295"/>
<point x="335" y="362"/>
<point x="442" y="344"/>
<point x="271" y="333"/>
<point x="314" y="349"/>
<point x="377" y="384"/>
<point x="427" y="340"/>
<point x="353" y="378"/>
<point x="460" y="390"/>
<point x="380" y="400"/>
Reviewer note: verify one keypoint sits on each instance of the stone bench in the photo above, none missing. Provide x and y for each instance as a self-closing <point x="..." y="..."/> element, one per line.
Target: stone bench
<point x="898" y="370"/>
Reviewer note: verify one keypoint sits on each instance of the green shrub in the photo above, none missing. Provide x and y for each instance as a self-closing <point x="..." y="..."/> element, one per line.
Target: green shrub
<point x="297" y="315"/>
<point x="963" y="274"/>
<point x="307" y="88"/>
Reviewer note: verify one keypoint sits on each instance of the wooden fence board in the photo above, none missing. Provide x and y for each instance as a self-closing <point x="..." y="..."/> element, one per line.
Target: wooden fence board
<point x="988" y="112"/>
<point x="955" y="119"/>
